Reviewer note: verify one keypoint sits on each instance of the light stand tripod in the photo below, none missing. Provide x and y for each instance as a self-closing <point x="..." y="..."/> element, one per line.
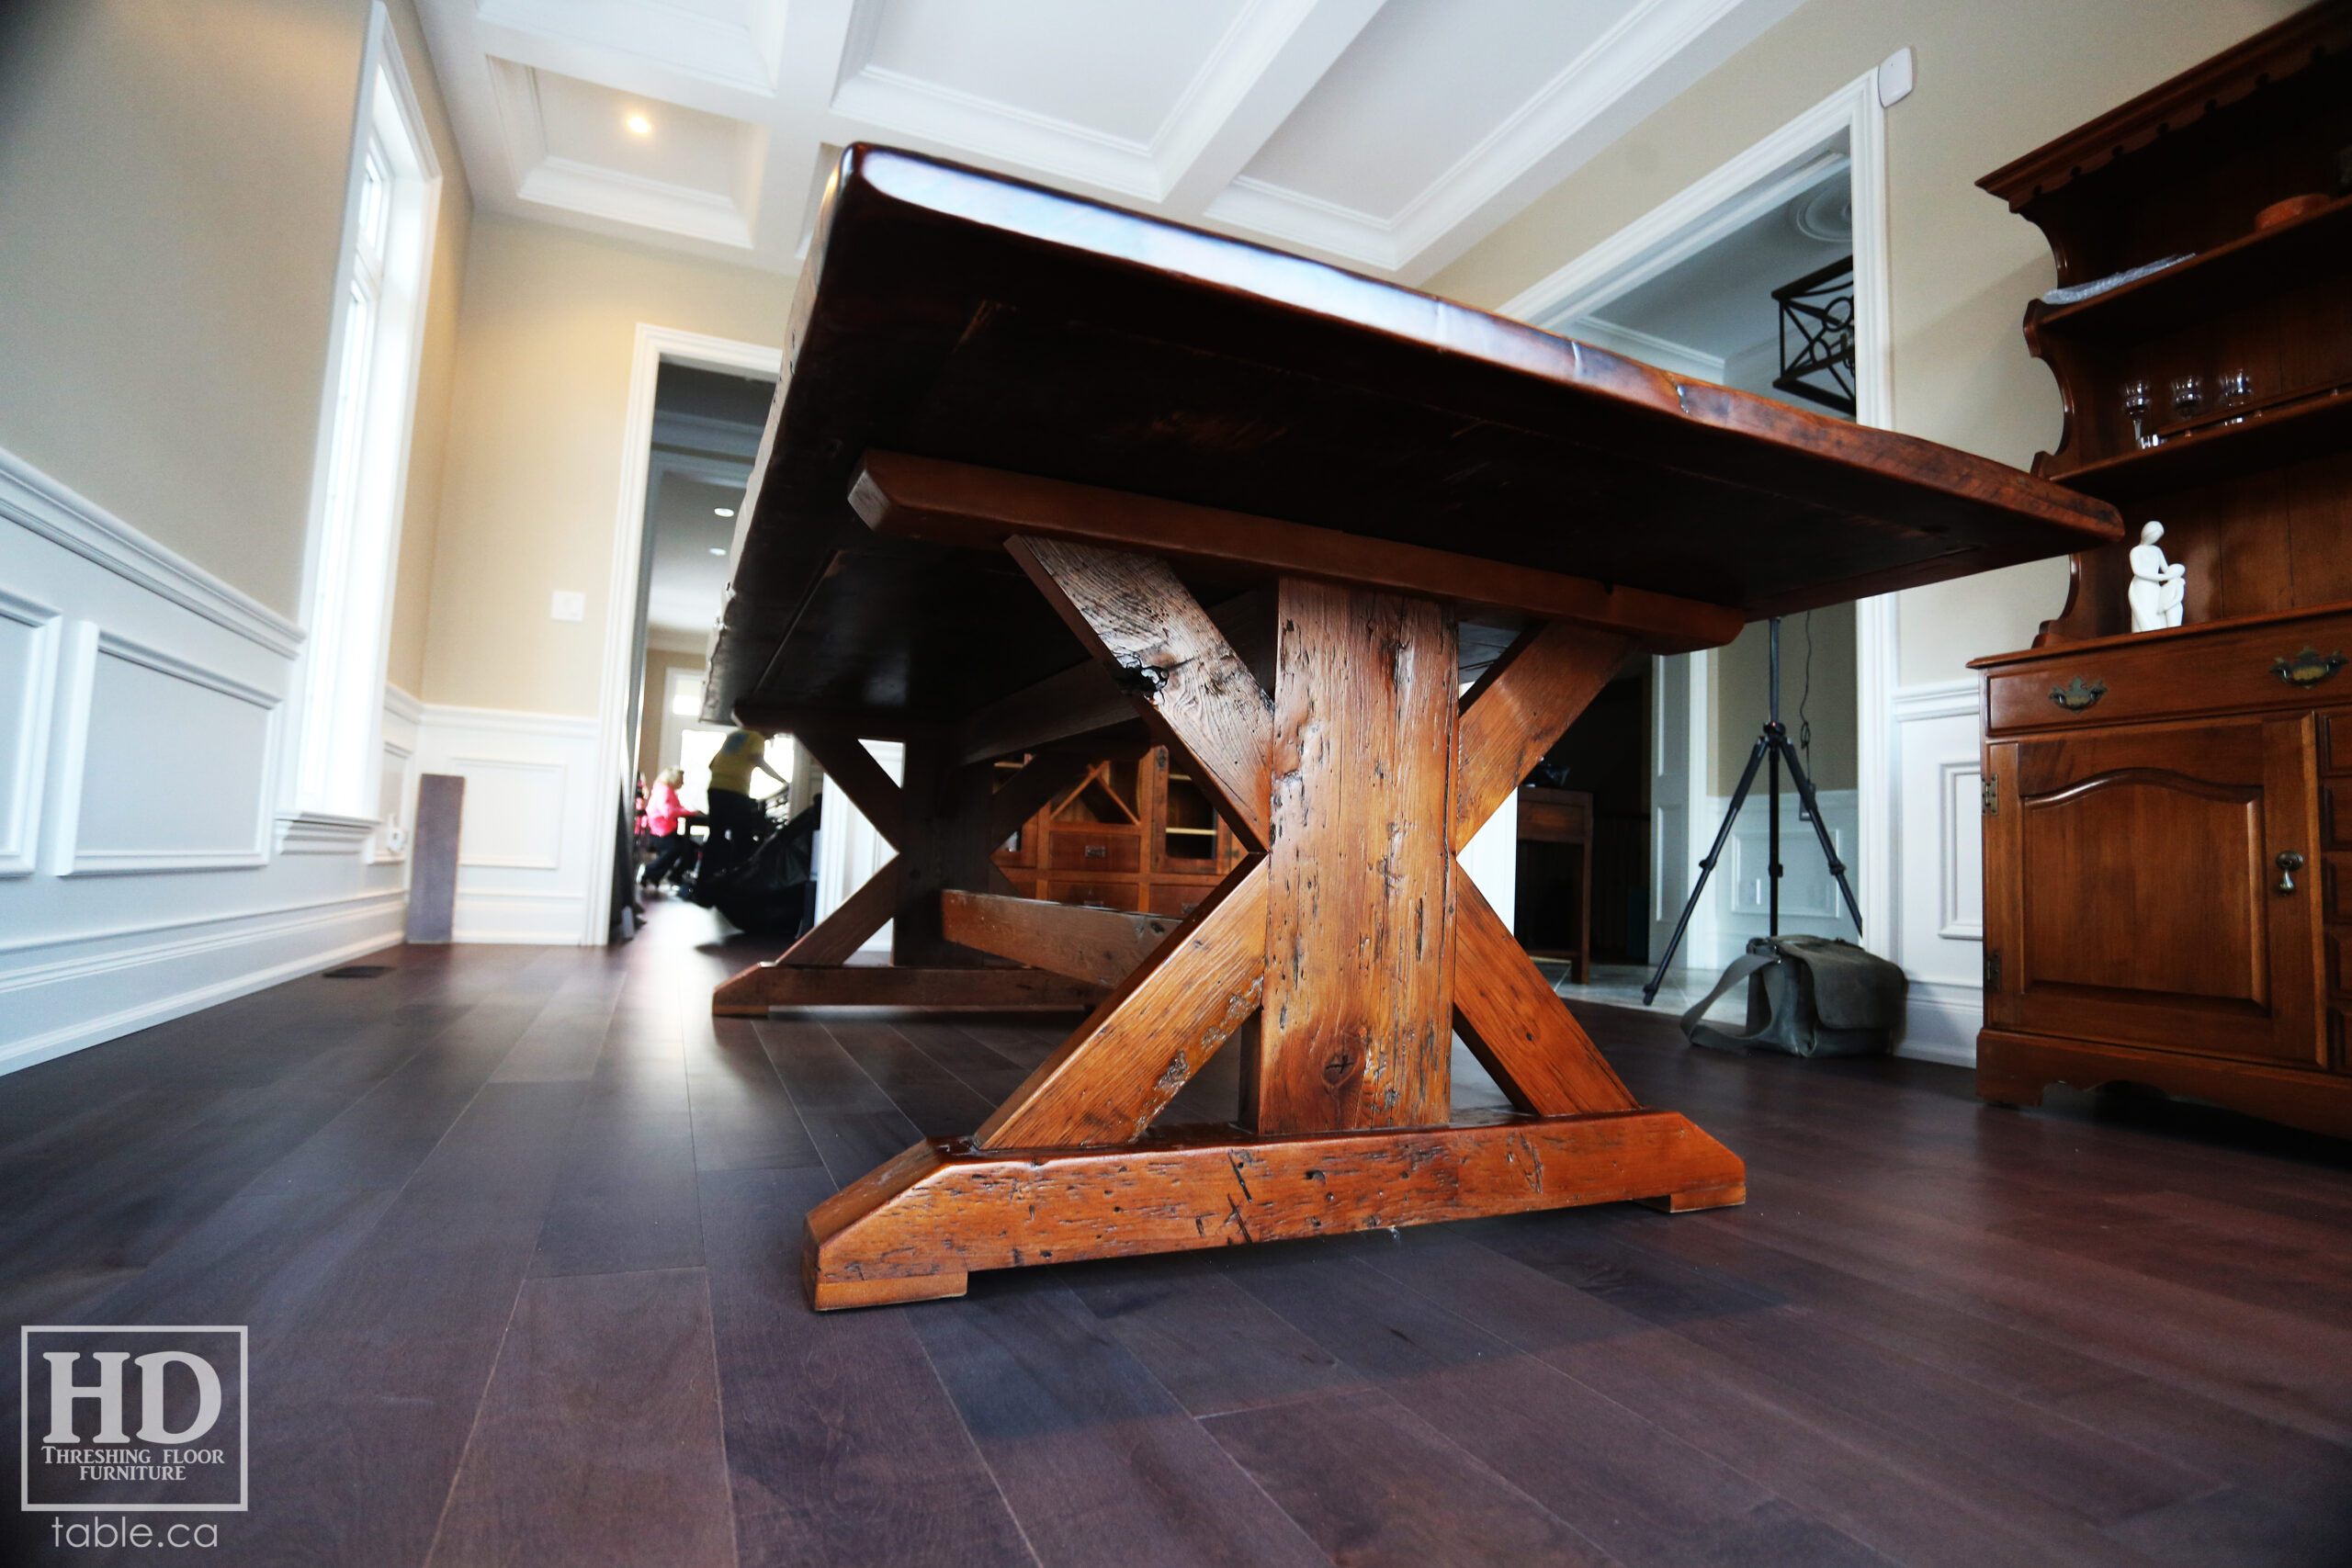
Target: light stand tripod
<point x="1772" y="748"/>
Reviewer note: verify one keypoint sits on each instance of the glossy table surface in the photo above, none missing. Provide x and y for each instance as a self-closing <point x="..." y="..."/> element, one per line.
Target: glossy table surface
<point x="952" y="314"/>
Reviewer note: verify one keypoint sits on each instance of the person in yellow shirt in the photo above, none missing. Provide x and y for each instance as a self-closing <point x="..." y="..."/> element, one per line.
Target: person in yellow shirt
<point x="734" y="814"/>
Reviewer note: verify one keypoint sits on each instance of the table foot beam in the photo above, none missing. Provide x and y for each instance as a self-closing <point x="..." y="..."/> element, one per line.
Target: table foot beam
<point x="943" y="1209"/>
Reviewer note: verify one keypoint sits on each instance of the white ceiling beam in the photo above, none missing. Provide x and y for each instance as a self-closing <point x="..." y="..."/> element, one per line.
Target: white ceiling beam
<point x="816" y="37"/>
<point x="1662" y="49"/>
<point x="623" y="71"/>
<point x="1274" y="57"/>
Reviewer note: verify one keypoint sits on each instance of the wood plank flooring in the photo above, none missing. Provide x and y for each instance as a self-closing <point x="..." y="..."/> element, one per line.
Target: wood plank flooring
<point x="516" y="1235"/>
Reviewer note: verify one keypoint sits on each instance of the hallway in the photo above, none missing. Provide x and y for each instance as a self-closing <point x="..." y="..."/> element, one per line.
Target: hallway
<point x="516" y="1233"/>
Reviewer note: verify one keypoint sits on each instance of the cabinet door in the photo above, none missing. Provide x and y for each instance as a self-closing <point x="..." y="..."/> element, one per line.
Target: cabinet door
<point x="2132" y="875"/>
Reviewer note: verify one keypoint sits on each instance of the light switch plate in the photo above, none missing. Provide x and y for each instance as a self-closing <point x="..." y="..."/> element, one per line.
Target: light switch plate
<point x="567" y="605"/>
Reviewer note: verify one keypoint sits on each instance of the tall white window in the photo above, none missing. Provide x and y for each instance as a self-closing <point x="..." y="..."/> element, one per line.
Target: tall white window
<point x="364" y="439"/>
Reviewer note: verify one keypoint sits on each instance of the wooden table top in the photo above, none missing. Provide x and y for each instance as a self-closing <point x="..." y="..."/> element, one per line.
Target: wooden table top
<point x="952" y="314"/>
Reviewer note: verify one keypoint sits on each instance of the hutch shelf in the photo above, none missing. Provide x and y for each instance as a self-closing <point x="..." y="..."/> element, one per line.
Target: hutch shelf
<point x="2169" y="829"/>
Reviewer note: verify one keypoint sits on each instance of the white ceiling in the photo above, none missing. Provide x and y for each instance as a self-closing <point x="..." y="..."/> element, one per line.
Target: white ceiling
<point x="1386" y="135"/>
<point x="689" y="543"/>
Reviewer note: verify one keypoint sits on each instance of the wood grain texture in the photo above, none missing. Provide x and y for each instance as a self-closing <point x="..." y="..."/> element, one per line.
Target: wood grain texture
<point x="2132" y="1289"/>
<point x="925" y="498"/>
<point x="1079" y="701"/>
<point x="1325" y="1460"/>
<point x="764" y="987"/>
<point x="850" y="766"/>
<point x="1519" y="710"/>
<point x="605" y="1390"/>
<point x="1171" y="1014"/>
<point x="1516" y="1024"/>
<point x="949" y="827"/>
<point x="1138" y="619"/>
<point x="947" y="1207"/>
<point x="1357" y="1029"/>
<point x="837" y="937"/>
<point x="843" y="1448"/>
<point x="1026" y="793"/>
<point x="1101" y="1464"/>
<point x="1100" y="946"/>
<point x="1049" y="336"/>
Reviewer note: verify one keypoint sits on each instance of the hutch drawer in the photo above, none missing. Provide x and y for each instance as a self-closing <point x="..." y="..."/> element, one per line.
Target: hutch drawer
<point x="1172" y="897"/>
<point x="2170" y="675"/>
<point x="1094" y="851"/>
<point x="1100" y="893"/>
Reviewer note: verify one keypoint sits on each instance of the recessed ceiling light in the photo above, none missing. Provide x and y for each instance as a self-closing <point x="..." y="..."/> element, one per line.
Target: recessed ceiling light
<point x="639" y="124"/>
<point x="717" y="551"/>
<point x="722" y="512"/>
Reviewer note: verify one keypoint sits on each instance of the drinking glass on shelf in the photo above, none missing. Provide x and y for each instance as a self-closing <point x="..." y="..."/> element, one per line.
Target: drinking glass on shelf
<point x="2137" y="400"/>
<point x="2187" y="396"/>
<point x="2235" y="390"/>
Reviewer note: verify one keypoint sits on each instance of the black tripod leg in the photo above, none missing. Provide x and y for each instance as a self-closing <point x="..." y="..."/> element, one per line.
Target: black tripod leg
<point x="1820" y="829"/>
<point x="1706" y="868"/>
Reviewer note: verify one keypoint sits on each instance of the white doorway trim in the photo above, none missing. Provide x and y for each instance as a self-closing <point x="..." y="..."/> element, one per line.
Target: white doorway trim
<point x="655" y="346"/>
<point x="1850" y="124"/>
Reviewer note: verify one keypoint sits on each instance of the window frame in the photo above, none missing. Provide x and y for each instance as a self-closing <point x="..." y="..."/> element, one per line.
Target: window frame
<point x="379" y="299"/>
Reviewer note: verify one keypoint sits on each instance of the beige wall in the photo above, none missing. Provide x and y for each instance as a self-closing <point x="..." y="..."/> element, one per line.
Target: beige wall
<point x="1997" y="79"/>
<point x="532" y="482"/>
<point x="437" y="371"/>
<point x="172" y="182"/>
<point x="1741" y="696"/>
<point x="658" y="662"/>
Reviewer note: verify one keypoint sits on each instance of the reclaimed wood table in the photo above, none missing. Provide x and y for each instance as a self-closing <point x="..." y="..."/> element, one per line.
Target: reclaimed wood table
<point x="1046" y="478"/>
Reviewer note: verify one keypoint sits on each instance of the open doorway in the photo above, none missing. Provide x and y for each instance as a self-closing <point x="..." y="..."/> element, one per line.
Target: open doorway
<point x="1769" y="276"/>
<point x="706" y="431"/>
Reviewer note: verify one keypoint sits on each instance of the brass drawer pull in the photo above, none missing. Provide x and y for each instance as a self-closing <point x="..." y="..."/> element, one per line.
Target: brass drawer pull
<point x="2307" y="669"/>
<point x="2289" y="863"/>
<point x="2074" y="696"/>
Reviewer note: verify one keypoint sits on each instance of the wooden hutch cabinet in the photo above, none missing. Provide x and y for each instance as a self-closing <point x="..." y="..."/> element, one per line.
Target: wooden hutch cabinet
<point x="2168" y="829"/>
<point x="1131" y="835"/>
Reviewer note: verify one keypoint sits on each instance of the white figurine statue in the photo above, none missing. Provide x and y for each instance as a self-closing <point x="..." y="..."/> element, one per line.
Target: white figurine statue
<point x="2159" y="588"/>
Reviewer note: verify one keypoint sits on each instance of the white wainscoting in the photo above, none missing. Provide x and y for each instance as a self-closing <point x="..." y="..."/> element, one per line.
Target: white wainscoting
<point x="143" y="707"/>
<point x="526" y="850"/>
<point x="1737" y="908"/>
<point x="1939" y="872"/>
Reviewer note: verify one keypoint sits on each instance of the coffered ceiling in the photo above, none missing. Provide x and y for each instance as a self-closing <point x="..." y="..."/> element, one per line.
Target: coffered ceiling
<point x="1385" y="135"/>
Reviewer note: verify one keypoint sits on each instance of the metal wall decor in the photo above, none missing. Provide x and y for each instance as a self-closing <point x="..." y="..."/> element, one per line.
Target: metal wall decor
<point x="1817" y="336"/>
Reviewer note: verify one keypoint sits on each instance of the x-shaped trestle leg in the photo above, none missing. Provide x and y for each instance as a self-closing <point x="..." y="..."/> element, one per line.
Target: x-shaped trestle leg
<point x="1349" y="931"/>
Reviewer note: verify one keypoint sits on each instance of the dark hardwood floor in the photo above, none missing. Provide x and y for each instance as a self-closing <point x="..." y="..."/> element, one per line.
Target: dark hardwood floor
<point x="515" y="1232"/>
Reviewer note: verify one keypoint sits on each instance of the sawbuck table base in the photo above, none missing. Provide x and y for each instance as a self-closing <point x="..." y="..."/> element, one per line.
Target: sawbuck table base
<point x="1341" y="956"/>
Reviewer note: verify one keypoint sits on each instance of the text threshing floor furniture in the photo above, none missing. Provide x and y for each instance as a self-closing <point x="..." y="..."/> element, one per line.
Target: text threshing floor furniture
<point x="1287" y="511"/>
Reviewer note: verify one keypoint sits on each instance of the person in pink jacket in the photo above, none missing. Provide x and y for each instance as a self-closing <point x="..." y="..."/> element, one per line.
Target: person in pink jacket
<point x="665" y="814"/>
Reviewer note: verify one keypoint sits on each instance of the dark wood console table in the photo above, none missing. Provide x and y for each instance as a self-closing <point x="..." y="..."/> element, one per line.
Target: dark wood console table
<point x="1046" y="478"/>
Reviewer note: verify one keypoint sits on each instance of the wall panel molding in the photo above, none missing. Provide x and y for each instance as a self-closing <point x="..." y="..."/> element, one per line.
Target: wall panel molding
<point x="39" y="504"/>
<point x="31" y="632"/>
<point x="140" y="723"/>
<point x="527" y="868"/>
<point x="1937" y="907"/>
<point x="211" y="809"/>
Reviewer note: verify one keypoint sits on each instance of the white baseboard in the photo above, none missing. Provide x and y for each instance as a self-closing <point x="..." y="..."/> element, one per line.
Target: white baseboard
<point x="1944" y="1018"/>
<point x="148" y="867"/>
<point x="62" y="996"/>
